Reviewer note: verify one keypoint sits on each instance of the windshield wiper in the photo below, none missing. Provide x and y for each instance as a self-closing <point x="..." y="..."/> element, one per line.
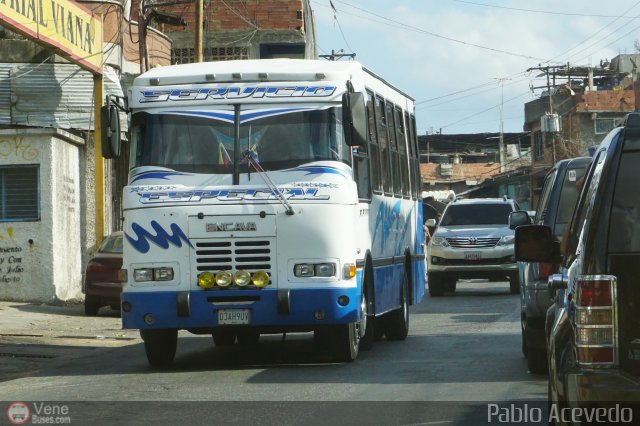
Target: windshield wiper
<point x="253" y="160"/>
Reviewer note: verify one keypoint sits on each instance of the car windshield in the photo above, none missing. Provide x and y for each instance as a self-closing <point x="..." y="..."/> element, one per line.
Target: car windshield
<point x="476" y="214"/>
<point x="204" y="141"/>
<point x="112" y="244"/>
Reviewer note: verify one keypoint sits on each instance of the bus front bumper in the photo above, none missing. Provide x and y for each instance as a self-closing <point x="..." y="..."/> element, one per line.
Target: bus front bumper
<point x="294" y="308"/>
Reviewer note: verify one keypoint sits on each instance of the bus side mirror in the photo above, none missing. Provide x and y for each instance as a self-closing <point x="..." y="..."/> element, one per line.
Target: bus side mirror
<point x="110" y="131"/>
<point x="354" y="119"/>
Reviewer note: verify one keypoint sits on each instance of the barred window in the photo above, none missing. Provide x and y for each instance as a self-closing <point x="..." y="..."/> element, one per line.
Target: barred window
<point x="187" y="55"/>
<point x="19" y="196"/>
<point x="605" y="125"/>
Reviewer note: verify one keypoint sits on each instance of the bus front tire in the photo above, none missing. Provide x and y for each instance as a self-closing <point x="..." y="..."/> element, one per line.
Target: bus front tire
<point x="368" y="337"/>
<point x="345" y="342"/>
<point x="160" y="346"/>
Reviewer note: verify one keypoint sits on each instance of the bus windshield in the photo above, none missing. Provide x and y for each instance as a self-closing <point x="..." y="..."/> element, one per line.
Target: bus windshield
<point x="205" y="141"/>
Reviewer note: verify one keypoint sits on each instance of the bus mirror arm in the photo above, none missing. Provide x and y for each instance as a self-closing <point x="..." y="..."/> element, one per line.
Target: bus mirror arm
<point x="253" y="160"/>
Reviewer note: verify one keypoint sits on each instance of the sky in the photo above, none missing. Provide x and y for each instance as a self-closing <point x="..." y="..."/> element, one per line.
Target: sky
<point x="465" y="62"/>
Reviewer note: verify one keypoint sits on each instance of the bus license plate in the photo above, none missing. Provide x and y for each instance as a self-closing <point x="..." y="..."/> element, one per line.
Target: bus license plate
<point x="473" y="255"/>
<point x="233" y="316"/>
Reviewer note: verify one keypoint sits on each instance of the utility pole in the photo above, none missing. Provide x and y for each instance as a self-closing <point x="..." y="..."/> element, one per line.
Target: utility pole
<point x="142" y="35"/>
<point x="199" y="29"/>
<point x="337" y="55"/>
<point x="501" y="146"/>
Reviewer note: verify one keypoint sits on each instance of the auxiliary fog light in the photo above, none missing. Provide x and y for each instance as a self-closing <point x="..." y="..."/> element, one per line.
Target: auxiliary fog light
<point x="224" y="278"/>
<point x="343" y="300"/>
<point x="206" y="280"/>
<point x="149" y="319"/>
<point x="242" y="278"/>
<point x="319" y="314"/>
<point x="260" y="279"/>
<point x="126" y="307"/>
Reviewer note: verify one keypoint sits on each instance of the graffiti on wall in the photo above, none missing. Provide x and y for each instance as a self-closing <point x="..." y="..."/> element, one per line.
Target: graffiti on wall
<point x="18" y="148"/>
<point x="11" y="267"/>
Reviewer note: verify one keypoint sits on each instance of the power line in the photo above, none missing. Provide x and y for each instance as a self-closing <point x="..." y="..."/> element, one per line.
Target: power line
<point x="541" y="11"/>
<point x="397" y="24"/>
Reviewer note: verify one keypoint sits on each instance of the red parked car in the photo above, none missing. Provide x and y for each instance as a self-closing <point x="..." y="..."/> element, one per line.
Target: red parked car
<point x="102" y="283"/>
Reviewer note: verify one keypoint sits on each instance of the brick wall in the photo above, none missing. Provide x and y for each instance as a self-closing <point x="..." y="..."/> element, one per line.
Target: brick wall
<point x="471" y="171"/>
<point x="605" y="100"/>
<point x="237" y="15"/>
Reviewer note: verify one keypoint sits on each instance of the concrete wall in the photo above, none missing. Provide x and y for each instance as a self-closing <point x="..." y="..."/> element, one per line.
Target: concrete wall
<point x="41" y="261"/>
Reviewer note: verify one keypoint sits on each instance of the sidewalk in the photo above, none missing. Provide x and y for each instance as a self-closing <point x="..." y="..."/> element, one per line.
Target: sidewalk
<point x="31" y="334"/>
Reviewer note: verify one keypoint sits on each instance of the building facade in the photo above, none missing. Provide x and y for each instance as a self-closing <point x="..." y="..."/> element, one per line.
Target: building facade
<point x="47" y="185"/>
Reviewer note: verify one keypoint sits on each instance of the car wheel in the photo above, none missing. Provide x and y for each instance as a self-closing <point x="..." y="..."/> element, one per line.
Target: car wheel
<point x="450" y="285"/>
<point x="537" y="361"/>
<point x="247" y="337"/>
<point x="523" y="333"/>
<point x="160" y="346"/>
<point x="223" y="337"/>
<point x="436" y="286"/>
<point x="91" y="306"/>
<point x="514" y="284"/>
<point x="397" y="326"/>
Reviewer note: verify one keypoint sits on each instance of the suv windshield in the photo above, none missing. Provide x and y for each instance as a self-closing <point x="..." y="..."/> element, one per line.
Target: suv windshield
<point x="204" y="141"/>
<point x="476" y="214"/>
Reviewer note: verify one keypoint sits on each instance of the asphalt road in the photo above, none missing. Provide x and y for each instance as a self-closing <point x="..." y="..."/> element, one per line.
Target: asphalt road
<point x="462" y="354"/>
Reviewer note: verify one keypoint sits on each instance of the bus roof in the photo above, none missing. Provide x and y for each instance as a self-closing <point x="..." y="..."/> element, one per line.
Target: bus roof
<point x="258" y="70"/>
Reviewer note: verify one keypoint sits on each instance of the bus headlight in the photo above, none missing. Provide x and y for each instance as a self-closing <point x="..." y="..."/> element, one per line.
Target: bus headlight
<point x="143" y="274"/>
<point x="302" y="270"/>
<point x="163" y="274"/>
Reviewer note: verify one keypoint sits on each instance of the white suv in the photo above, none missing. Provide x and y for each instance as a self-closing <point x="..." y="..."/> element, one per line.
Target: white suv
<point x="473" y="240"/>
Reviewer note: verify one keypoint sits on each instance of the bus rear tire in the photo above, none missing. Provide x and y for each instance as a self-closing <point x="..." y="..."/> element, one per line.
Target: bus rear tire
<point x="160" y="346"/>
<point x="398" y="320"/>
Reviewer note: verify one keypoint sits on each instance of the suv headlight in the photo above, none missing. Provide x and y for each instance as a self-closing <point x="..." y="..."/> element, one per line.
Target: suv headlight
<point x="439" y="241"/>
<point x="507" y="240"/>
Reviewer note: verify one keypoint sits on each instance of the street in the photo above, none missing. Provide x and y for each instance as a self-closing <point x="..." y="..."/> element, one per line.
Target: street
<point x="463" y="352"/>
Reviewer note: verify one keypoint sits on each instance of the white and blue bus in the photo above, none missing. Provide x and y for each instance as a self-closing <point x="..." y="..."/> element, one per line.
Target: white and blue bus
<point x="269" y="196"/>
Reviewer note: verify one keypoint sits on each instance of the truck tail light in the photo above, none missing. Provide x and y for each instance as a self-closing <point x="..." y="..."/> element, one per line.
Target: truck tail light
<point x="595" y="319"/>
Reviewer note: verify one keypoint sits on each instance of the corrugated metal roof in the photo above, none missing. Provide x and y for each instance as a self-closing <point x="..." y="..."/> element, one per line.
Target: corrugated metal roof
<point x="50" y="95"/>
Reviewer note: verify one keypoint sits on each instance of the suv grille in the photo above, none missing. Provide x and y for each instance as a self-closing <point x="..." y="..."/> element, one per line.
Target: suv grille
<point x="473" y="242"/>
<point x="232" y="255"/>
